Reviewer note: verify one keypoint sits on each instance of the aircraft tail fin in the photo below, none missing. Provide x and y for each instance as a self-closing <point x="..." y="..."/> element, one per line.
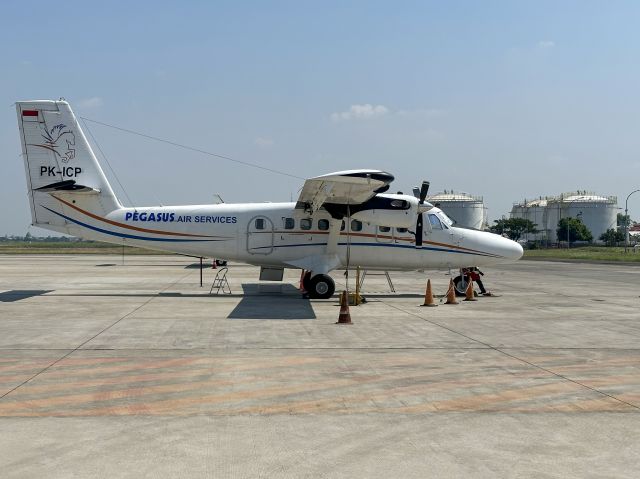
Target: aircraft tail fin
<point x="60" y="165"/>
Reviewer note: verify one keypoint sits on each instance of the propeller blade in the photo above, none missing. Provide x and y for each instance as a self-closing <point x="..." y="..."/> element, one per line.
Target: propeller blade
<point x="419" y="231"/>
<point x="424" y="189"/>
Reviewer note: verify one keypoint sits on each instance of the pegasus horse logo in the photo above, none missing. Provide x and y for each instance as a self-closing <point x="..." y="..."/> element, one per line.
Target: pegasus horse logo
<point x="57" y="138"/>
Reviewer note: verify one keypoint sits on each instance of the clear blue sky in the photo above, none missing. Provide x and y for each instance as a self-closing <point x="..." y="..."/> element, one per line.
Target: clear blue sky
<point x="502" y="99"/>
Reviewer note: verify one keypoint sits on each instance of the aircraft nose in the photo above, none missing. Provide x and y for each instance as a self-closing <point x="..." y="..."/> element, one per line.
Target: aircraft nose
<point x="511" y="250"/>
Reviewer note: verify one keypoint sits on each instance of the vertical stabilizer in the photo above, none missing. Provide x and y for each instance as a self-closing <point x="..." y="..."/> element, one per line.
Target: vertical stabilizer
<point x="59" y="162"/>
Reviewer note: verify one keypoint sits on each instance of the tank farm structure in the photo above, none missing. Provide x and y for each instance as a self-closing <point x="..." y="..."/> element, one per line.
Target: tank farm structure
<point x="597" y="212"/>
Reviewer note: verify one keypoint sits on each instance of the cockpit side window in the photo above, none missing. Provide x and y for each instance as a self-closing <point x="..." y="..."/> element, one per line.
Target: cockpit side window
<point x="435" y="222"/>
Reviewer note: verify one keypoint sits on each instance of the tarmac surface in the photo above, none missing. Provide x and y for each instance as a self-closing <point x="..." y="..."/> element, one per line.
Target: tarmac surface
<point x="134" y="370"/>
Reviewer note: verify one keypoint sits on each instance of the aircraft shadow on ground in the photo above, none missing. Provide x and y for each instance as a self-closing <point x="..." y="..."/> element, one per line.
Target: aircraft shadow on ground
<point x="278" y="301"/>
<point x="18" y="294"/>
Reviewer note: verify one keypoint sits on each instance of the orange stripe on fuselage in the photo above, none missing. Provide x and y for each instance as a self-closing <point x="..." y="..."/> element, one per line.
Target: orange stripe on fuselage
<point x="129" y="227"/>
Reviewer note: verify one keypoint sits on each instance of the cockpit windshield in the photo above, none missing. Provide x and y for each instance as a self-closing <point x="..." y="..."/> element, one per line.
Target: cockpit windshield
<point x="444" y="218"/>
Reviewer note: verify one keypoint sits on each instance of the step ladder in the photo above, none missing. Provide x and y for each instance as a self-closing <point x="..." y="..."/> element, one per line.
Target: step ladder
<point x="386" y="273"/>
<point x="220" y="282"/>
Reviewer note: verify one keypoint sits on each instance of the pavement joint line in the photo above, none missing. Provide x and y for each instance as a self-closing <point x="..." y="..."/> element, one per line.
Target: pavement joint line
<point x="77" y="348"/>
<point x="225" y="349"/>
<point x="336" y="348"/>
<point x="501" y="351"/>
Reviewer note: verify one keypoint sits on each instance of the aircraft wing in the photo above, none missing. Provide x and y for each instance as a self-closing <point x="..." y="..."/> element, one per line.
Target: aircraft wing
<point x="350" y="187"/>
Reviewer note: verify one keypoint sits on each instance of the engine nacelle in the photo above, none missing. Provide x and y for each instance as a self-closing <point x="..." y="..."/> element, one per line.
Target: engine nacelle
<point x="398" y="211"/>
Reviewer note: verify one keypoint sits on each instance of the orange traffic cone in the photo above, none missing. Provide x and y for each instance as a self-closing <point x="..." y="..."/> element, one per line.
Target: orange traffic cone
<point x="428" y="296"/>
<point x="344" y="317"/>
<point x="451" y="294"/>
<point x="469" y="296"/>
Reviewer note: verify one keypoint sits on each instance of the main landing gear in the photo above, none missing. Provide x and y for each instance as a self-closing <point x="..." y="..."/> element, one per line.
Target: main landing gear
<point x="320" y="286"/>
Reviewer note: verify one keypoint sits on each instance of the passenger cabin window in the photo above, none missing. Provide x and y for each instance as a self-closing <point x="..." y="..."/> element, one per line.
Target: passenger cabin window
<point x="402" y="230"/>
<point x="384" y="229"/>
<point x="356" y="225"/>
<point x="289" y="223"/>
<point x="435" y="222"/>
<point x="323" y="225"/>
<point x="259" y="223"/>
<point x="305" y="224"/>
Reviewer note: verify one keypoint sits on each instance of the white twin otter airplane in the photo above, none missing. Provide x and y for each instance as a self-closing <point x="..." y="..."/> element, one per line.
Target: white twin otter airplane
<point x="339" y="218"/>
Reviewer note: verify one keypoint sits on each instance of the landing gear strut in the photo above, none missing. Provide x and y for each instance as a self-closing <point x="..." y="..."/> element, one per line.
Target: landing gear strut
<point x="320" y="286"/>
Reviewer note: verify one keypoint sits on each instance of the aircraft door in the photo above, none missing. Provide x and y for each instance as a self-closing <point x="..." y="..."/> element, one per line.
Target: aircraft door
<point x="260" y="235"/>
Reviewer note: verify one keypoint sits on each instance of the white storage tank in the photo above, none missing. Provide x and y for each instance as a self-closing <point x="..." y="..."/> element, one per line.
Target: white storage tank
<point x="465" y="210"/>
<point x="536" y="212"/>
<point x="598" y="213"/>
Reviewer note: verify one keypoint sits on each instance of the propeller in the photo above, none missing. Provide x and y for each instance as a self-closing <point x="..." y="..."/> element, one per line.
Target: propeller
<point x="422" y="195"/>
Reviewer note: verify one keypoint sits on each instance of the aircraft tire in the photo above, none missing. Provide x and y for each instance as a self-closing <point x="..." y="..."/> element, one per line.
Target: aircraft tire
<point x="321" y="286"/>
<point x="460" y="286"/>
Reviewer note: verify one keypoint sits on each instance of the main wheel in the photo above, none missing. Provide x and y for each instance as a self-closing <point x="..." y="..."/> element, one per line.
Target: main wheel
<point x="321" y="286"/>
<point x="460" y="285"/>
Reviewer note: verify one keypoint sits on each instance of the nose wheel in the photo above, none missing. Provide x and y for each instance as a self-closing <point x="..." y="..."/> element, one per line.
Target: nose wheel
<point x="460" y="284"/>
<point x="320" y="286"/>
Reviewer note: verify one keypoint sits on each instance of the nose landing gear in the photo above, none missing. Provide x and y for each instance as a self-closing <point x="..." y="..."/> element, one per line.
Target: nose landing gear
<point x="466" y="274"/>
<point x="460" y="283"/>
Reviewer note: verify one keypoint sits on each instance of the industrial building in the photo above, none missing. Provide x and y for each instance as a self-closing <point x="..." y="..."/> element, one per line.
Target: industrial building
<point x="465" y="210"/>
<point x="598" y="213"/>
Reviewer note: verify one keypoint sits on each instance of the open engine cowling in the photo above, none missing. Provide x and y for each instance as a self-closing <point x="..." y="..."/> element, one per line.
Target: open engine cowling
<point x="397" y="211"/>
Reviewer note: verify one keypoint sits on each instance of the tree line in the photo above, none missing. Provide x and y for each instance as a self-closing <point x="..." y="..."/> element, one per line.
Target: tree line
<point x="29" y="238"/>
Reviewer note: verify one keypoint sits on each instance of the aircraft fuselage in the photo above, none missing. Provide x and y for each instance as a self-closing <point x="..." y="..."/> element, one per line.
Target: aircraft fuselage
<point x="271" y="234"/>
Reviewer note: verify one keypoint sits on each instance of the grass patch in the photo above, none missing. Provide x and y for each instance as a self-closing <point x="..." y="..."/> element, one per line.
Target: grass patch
<point x="72" y="247"/>
<point x="584" y="253"/>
